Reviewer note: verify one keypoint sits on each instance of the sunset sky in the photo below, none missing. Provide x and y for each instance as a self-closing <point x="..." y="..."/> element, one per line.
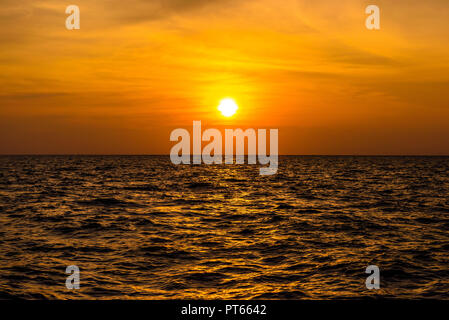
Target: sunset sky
<point x="138" y="69"/>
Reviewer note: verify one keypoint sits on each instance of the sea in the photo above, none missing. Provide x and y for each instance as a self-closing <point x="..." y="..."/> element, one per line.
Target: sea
<point x="140" y="227"/>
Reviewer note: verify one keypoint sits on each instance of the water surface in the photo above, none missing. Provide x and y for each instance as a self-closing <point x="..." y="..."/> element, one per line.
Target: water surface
<point x="139" y="227"/>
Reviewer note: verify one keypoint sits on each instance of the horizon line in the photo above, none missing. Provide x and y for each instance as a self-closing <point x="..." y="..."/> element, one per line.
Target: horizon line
<point x="281" y="155"/>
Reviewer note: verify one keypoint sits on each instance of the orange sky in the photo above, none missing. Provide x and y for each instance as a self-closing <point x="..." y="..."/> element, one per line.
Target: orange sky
<point x="138" y="69"/>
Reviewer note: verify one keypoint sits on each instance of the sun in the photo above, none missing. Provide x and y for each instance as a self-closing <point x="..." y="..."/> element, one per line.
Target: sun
<point x="228" y="107"/>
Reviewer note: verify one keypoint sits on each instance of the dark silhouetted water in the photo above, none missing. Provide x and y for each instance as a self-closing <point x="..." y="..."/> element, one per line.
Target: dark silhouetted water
<point x="140" y="227"/>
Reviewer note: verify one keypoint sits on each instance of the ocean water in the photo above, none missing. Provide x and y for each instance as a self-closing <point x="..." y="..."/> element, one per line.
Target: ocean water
<point x="139" y="227"/>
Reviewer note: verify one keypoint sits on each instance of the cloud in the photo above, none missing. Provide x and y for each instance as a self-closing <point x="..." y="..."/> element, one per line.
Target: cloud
<point x="27" y="20"/>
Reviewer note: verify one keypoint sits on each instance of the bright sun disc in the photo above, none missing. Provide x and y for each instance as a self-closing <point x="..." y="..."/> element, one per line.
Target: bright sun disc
<point x="228" y="107"/>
